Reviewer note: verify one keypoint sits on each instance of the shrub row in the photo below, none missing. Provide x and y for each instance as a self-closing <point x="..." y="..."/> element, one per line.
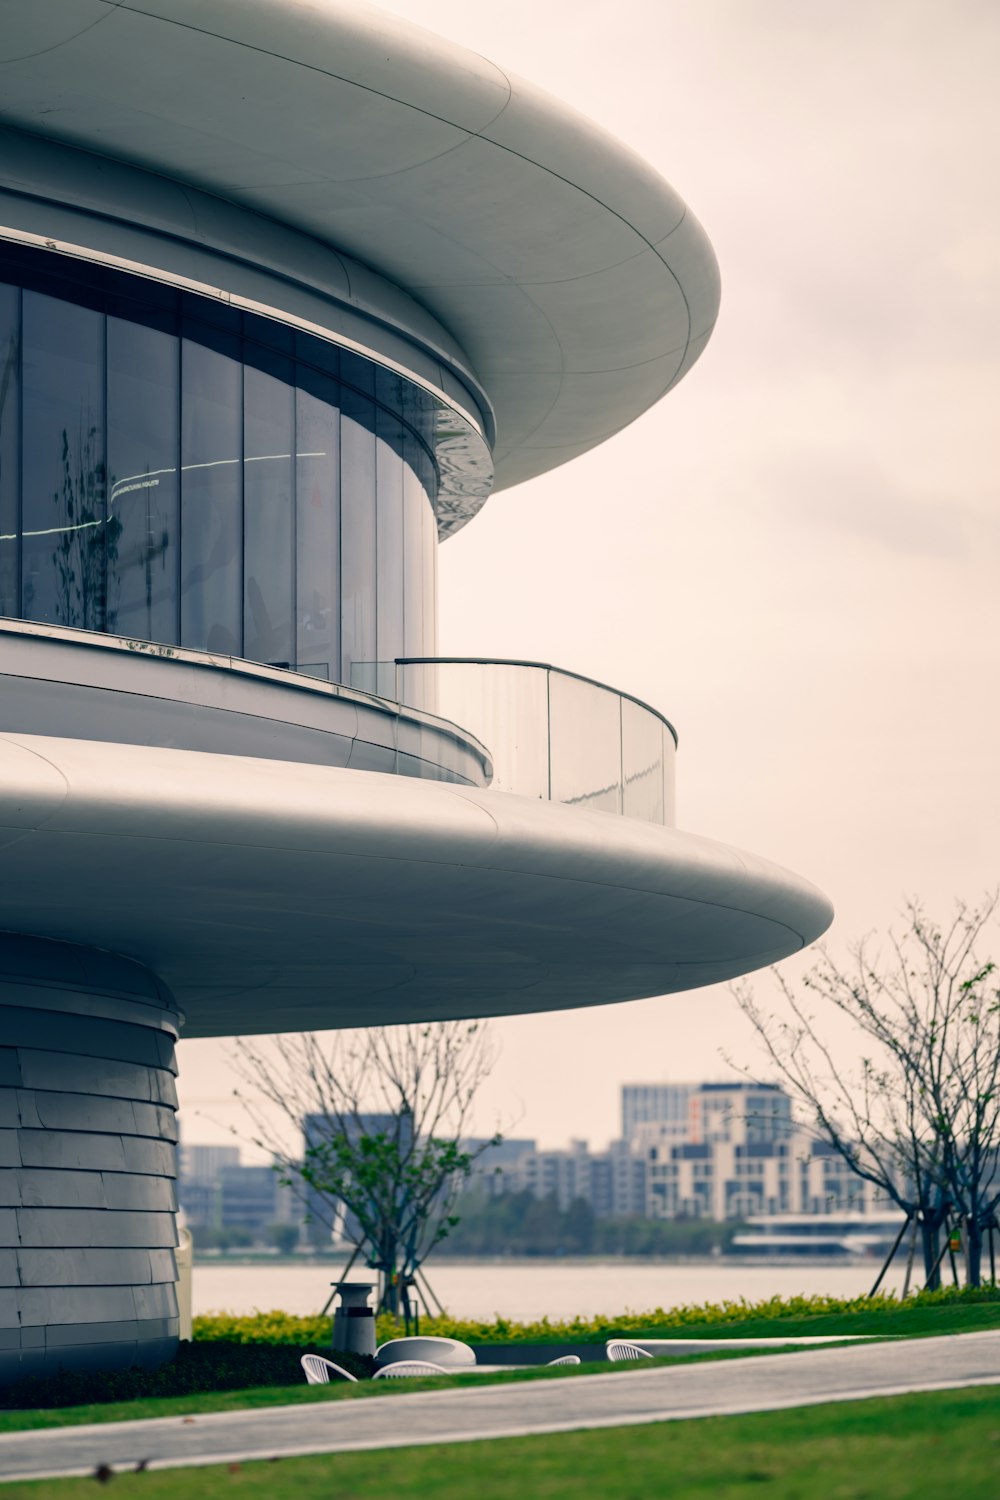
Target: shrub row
<point x="284" y="1328"/>
<point x="205" y="1365"/>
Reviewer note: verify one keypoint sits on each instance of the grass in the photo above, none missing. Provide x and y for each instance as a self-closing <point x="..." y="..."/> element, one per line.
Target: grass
<point x="900" y="1448"/>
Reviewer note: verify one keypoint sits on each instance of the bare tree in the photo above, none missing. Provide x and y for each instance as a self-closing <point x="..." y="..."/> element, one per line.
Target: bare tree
<point x="389" y="1108"/>
<point x="919" y="1115"/>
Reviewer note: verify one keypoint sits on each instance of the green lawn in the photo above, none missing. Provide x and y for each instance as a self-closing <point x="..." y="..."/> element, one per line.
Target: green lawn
<point x="913" y="1317"/>
<point x="903" y="1448"/>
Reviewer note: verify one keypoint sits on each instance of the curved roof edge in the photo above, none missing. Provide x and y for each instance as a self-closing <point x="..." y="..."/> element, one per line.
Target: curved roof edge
<point x="572" y="277"/>
<point x="342" y="897"/>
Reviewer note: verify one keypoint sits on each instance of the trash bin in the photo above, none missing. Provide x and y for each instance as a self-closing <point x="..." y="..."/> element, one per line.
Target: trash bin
<point x="354" y="1320"/>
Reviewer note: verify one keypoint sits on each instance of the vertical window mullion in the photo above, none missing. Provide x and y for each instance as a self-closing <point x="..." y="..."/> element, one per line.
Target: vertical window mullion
<point x="293" y="500"/>
<point x="179" y="549"/>
<point x="242" y="496"/>
<point x="102" y="613"/>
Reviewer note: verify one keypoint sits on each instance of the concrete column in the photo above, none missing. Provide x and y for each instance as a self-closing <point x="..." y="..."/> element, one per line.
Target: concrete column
<point x="87" y="1160"/>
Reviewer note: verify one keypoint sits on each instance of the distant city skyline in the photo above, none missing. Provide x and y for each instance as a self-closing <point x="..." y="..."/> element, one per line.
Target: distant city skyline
<point x="813" y="602"/>
<point x="714" y="1152"/>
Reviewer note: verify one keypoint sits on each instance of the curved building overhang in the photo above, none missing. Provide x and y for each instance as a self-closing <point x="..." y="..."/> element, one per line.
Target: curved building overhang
<point x="270" y="898"/>
<point x="566" y="274"/>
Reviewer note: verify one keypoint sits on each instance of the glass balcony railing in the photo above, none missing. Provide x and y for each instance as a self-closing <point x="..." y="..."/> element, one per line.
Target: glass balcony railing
<point x="552" y="734"/>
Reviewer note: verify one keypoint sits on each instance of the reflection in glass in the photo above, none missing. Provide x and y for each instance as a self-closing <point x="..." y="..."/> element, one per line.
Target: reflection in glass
<point x="268" y="511"/>
<point x="389" y="543"/>
<point x="10" y="317"/>
<point x="430" y="560"/>
<point x="414" y="505"/>
<point x="63" y="541"/>
<point x="211" y="498"/>
<point x="317" y="525"/>
<point x="143" y="491"/>
<point x="357" y="534"/>
<point x="243" y="489"/>
<point x="585" y="724"/>
<point x="642" y="763"/>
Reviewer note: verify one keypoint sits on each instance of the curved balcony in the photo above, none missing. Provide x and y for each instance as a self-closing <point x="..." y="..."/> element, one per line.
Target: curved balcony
<point x="552" y="734"/>
<point x="79" y="684"/>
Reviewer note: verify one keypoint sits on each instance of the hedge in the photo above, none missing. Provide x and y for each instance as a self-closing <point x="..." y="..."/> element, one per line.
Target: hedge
<point x="205" y="1365"/>
<point x="285" y="1328"/>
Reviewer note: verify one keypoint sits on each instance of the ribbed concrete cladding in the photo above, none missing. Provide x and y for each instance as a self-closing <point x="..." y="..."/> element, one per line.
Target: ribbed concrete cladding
<point x="87" y="1160"/>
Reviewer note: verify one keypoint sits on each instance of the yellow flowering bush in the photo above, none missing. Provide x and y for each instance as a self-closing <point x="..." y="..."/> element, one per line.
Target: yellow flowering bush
<point x="284" y="1328"/>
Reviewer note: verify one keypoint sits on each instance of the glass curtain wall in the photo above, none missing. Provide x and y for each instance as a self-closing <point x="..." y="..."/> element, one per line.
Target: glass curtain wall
<point x="63" y="551"/>
<point x="143" y="527"/>
<point x="10" y="485"/>
<point x="178" y="471"/>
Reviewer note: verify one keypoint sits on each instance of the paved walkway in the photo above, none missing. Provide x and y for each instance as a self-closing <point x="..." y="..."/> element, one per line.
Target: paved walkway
<point x="622" y="1398"/>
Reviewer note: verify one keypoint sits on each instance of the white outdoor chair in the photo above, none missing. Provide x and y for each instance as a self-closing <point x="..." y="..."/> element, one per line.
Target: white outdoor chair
<point x="451" y="1353"/>
<point x="410" y="1367"/>
<point x="318" y="1369"/>
<point x="619" y="1349"/>
<point x="566" y="1359"/>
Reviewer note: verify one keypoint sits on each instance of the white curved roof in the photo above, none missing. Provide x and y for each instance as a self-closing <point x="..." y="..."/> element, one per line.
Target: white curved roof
<point x="573" y="277"/>
<point x="272" y="897"/>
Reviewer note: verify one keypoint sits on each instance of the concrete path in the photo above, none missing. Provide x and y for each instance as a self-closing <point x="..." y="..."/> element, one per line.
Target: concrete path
<point x="621" y="1398"/>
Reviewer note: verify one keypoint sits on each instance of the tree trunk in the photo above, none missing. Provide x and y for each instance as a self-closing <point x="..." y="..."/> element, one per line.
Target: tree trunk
<point x="973" y="1252"/>
<point x="929" y="1236"/>
<point x="390" y="1284"/>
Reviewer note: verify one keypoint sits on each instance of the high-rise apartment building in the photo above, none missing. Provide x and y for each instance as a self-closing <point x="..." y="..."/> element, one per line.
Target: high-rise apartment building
<point x="750" y="1114"/>
<point x="656" y="1103"/>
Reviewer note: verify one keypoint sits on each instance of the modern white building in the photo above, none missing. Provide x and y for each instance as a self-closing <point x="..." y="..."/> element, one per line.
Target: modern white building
<point x="741" y="1154"/>
<point x="612" y="1182"/>
<point x="666" y="1105"/>
<point x="286" y="291"/>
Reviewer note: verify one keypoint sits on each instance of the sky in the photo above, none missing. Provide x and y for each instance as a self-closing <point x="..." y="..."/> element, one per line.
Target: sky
<point x="795" y="555"/>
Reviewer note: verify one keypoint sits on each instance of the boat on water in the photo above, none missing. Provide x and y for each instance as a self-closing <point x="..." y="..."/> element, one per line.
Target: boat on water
<point x="840" y="1235"/>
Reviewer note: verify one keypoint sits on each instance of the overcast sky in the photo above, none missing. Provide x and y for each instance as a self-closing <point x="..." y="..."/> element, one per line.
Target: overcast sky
<point x="795" y="555"/>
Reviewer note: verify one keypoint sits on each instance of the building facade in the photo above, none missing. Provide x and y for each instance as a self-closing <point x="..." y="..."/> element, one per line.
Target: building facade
<point x="220" y="1194"/>
<point x="198" y="1171"/>
<point x="276" y="317"/>
<point x="612" y="1183"/>
<point x="741" y="1153"/>
<point x="662" y="1104"/>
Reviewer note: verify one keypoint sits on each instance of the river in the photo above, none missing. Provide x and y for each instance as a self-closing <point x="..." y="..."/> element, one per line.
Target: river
<point x="525" y="1290"/>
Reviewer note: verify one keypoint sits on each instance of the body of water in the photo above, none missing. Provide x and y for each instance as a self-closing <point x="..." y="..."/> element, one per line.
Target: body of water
<point x="525" y="1290"/>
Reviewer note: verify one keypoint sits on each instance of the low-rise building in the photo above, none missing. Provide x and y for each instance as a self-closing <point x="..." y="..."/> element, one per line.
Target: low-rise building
<point x="612" y="1182"/>
<point x="218" y="1192"/>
